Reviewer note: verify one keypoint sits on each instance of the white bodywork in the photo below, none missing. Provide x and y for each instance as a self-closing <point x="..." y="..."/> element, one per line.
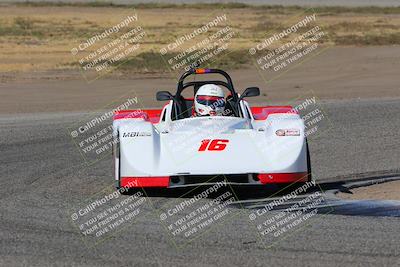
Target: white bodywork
<point x="170" y="148"/>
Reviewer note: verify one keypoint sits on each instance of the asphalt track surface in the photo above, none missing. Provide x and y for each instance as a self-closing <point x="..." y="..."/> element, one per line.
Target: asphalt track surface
<point x="44" y="179"/>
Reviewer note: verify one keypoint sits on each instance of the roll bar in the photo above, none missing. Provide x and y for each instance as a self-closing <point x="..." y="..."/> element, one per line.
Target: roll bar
<point x="228" y="84"/>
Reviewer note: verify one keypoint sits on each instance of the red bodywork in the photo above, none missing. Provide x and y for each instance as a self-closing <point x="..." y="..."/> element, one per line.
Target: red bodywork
<point x="262" y="113"/>
<point x="163" y="181"/>
<point x="134" y="182"/>
<point x="153" y="115"/>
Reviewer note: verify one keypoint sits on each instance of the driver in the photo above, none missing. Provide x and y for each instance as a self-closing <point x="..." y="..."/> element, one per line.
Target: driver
<point x="209" y="101"/>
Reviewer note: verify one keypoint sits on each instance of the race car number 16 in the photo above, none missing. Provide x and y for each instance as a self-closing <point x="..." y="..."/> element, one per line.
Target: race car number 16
<point x="213" y="145"/>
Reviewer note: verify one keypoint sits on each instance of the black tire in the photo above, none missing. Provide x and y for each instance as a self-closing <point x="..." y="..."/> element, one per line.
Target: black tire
<point x="116" y="153"/>
<point x="308" y="163"/>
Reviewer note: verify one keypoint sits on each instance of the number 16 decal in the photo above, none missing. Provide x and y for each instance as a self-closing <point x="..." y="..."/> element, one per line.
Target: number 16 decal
<point x="213" y="145"/>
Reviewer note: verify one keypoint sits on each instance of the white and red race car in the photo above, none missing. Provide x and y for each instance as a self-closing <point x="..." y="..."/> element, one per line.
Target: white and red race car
<point x="170" y="147"/>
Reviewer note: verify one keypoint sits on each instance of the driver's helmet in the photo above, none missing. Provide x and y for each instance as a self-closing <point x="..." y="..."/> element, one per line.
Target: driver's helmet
<point x="209" y="101"/>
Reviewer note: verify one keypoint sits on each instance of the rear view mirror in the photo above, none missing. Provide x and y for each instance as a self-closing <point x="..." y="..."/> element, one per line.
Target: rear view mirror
<point x="251" y="91"/>
<point x="164" y="95"/>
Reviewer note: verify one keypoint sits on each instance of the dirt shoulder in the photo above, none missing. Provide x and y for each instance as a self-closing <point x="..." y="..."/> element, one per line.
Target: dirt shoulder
<point x="338" y="73"/>
<point x="384" y="191"/>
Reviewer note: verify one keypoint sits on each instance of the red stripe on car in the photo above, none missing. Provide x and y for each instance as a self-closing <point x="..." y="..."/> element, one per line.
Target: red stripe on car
<point x="272" y="178"/>
<point x="262" y="113"/>
<point x="154" y="181"/>
<point x="152" y="115"/>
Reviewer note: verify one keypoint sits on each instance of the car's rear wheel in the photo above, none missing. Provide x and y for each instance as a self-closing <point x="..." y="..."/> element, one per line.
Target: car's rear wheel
<point x="308" y="163"/>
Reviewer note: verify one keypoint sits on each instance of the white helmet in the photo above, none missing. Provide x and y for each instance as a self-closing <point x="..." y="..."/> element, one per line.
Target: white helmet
<point x="209" y="100"/>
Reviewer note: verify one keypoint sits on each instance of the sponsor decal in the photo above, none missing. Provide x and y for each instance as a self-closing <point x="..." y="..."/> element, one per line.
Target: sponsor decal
<point x="288" y="132"/>
<point x="136" y="134"/>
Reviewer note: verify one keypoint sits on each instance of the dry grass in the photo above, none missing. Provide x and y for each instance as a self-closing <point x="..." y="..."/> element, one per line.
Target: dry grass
<point x="40" y="37"/>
